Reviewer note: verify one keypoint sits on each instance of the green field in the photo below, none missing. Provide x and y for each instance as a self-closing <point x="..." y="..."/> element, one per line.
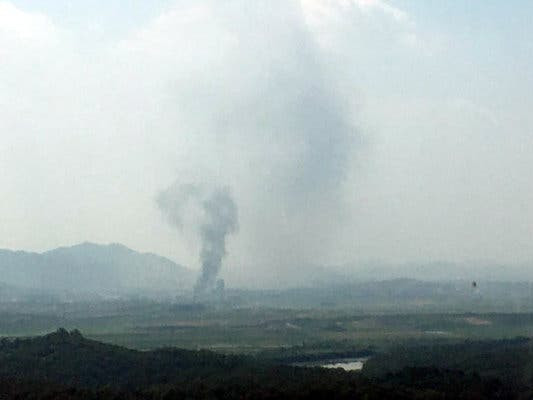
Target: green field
<point x="147" y="325"/>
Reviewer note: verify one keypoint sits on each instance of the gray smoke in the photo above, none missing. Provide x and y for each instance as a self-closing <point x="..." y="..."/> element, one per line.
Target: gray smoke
<point x="220" y="220"/>
<point x="214" y="216"/>
<point x="280" y="132"/>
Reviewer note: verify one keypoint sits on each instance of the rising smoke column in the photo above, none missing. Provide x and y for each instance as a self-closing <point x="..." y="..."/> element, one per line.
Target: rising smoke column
<point x="216" y="217"/>
<point x="279" y="103"/>
<point x="220" y="220"/>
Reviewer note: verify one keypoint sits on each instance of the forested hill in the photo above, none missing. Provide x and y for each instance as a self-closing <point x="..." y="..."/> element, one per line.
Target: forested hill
<point x="90" y="267"/>
<point x="68" y="366"/>
<point x="69" y="358"/>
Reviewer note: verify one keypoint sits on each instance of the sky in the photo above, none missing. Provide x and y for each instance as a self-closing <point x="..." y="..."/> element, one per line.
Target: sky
<point x="345" y="130"/>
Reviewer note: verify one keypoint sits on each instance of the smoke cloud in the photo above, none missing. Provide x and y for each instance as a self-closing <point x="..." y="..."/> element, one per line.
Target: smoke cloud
<point x="211" y="214"/>
<point x="274" y="123"/>
<point x="347" y="131"/>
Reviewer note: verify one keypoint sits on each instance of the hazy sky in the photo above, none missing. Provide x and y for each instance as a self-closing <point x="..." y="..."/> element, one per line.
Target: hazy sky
<point x="345" y="129"/>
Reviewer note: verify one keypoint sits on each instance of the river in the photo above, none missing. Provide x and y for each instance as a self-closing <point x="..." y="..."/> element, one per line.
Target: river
<point x="347" y="364"/>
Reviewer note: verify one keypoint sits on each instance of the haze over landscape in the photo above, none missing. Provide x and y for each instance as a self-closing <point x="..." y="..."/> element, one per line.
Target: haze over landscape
<point x="268" y="199"/>
<point x="346" y="131"/>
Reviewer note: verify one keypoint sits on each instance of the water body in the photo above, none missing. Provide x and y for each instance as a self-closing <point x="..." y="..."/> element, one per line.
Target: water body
<point x="347" y="364"/>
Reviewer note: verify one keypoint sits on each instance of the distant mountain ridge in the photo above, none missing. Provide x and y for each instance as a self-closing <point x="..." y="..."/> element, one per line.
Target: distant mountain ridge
<point x="90" y="267"/>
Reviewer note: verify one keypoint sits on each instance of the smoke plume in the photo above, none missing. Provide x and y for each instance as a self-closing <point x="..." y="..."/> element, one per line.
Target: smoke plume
<point x="211" y="214"/>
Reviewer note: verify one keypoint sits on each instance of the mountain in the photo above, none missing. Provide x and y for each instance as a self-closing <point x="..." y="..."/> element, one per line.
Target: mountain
<point x="395" y="295"/>
<point x="315" y="275"/>
<point x="95" y="268"/>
